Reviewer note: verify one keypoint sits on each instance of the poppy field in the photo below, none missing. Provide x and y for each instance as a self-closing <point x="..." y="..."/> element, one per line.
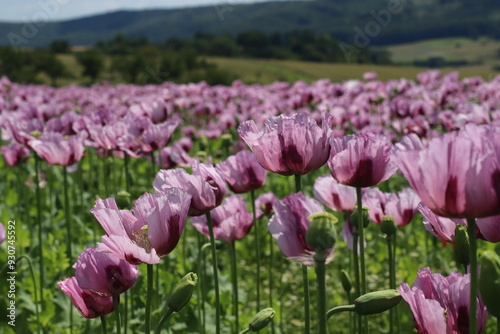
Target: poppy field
<point x="363" y="206"/>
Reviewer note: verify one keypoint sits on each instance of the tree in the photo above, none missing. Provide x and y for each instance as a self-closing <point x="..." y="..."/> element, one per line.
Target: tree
<point x="59" y="46"/>
<point x="50" y="65"/>
<point x="92" y="62"/>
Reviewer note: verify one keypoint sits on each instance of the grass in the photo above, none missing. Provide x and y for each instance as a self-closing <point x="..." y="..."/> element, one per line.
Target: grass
<point x="483" y="52"/>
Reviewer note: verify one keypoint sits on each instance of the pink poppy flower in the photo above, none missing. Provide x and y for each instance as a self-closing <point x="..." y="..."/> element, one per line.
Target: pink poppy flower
<point x="334" y="195"/>
<point x="231" y="220"/>
<point x="206" y="186"/>
<point x="288" y="144"/>
<point x="401" y="206"/>
<point x="104" y="273"/>
<point x="88" y="304"/>
<point x="153" y="232"/>
<point x="289" y="225"/>
<point x="441" y="304"/>
<point x="458" y="174"/>
<point x="242" y="172"/>
<point x="14" y="154"/>
<point x="361" y="160"/>
<point x="157" y="136"/>
<point x="2" y="233"/>
<point x="264" y="204"/>
<point x="488" y="228"/>
<point x="55" y="150"/>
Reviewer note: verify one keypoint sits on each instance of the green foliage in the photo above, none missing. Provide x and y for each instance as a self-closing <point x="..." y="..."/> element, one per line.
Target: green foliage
<point x="59" y="46"/>
<point x="92" y="62"/>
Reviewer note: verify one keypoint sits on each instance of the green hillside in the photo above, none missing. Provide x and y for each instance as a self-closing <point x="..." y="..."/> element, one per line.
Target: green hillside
<point x="358" y="23"/>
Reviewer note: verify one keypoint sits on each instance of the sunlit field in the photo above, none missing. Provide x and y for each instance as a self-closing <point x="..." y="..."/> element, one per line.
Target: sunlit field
<point x="299" y="195"/>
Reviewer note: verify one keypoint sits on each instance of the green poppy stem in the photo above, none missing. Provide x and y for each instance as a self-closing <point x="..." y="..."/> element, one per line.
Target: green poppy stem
<point x="67" y="215"/>
<point x="339" y="309"/>
<point x="361" y="229"/>
<point x="116" y="303"/>
<point x="103" y="325"/>
<point x="356" y="276"/>
<point x="391" y="279"/>
<point x="321" y="281"/>
<point x="234" y="281"/>
<point x="471" y="224"/>
<point x="216" y="274"/>
<point x="149" y="294"/>
<point x="39" y="219"/>
<point x="165" y="317"/>
<point x="257" y="247"/>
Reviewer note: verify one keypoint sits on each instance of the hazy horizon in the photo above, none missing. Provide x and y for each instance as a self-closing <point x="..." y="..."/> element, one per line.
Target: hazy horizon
<point x="61" y="10"/>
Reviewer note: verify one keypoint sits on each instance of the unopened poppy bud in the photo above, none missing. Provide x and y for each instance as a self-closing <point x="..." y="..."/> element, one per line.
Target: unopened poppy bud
<point x="489" y="282"/>
<point x="203" y="142"/>
<point x="462" y="245"/>
<point x="376" y="302"/>
<point x="345" y="279"/>
<point x="321" y="234"/>
<point x="35" y="134"/>
<point x="261" y="319"/>
<point x="365" y="215"/>
<point x="388" y="225"/>
<point x="182" y="292"/>
<point x="123" y="200"/>
<point x="201" y="155"/>
<point x="227" y="140"/>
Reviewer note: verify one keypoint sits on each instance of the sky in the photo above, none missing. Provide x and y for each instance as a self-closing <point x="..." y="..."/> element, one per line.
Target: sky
<point x="56" y="10"/>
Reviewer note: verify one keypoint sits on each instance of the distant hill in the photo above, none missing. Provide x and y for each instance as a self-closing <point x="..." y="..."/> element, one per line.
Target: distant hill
<point x="357" y="22"/>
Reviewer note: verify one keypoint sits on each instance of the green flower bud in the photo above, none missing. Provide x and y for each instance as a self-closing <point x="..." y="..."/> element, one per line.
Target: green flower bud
<point x="182" y="292"/>
<point x="203" y="142"/>
<point x="376" y="302"/>
<point x="35" y="134"/>
<point x="321" y="234"/>
<point x="462" y="245"/>
<point x="227" y="140"/>
<point x="261" y="319"/>
<point x="388" y="225"/>
<point x="345" y="279"/>
<point x="365" y="215"/>
<point x="201" y="155"/>
<point x="489" y="282"/>
<point x="123" y="200"/>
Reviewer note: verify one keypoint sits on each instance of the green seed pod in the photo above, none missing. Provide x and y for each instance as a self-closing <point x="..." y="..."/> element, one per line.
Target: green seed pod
<point x="227" y="140"/>
<point x="261" y="319"/>
<point x="489" y="282"/>
<point x="376" y="302"/>
<point x="201" y="155"/>
<point x="123" y="200"/>
<point x="321" y="234"/>
<point x="366" y="217"/>
<point x="345" y="279"/>
<point x="462" y="245"/>
<point x="388" y="225"/>
<point x="182" y="292"/>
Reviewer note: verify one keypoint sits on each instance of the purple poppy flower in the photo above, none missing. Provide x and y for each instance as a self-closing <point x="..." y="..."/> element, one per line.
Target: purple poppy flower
<point x="401" y="206"/>
<point x="289" y="225"/>
<point x="264" y="204"/>
<point x="206" y="186"/>
<point x="153" y="232"/>
<point x="242" y="172"/>
<point x="458" y="174"/>
<point x="288" y="145"/>
<point x="334" y="195"/>
<point x="104" y="273"/>
<point x="55" y="150"/>
<point x="14" y="154"/>
<point x="231" y="220"/>
<point x="2" y="233"/>
<point x="87" y="303"/>
<point x="441" y="304"/>
<point x="361" y="160"/>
